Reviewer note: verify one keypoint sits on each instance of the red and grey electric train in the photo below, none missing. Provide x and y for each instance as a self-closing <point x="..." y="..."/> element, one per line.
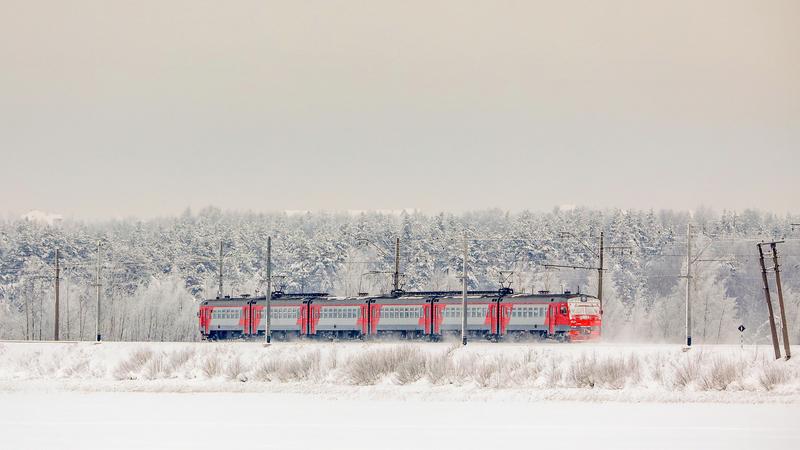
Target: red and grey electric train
<point x="494" y="315"/>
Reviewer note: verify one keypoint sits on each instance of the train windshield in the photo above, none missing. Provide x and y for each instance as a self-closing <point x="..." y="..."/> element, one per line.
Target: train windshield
<point x="584" y="309"/>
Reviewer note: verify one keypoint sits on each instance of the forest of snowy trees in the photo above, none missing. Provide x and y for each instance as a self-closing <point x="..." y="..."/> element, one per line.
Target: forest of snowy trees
<point x="154" y="272"/>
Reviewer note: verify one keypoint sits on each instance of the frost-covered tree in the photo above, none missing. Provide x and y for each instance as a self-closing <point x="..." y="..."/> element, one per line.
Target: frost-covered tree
<point x="154" y="271"/>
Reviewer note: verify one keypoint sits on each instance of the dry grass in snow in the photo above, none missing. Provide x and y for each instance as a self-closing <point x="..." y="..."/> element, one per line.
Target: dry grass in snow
<point x="664" y="369"/>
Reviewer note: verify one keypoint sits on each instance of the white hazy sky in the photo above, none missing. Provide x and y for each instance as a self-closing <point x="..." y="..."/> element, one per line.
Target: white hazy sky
<point x="116" y="108"/>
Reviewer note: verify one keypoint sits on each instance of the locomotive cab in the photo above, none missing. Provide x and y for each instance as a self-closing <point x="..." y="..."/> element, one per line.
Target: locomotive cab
<point x="584" y="318"/>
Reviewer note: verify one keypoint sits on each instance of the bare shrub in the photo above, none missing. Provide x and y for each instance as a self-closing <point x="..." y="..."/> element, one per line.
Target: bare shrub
<point x="464" y="368"/>
<point x="720" y="374"/>
<point x="234" y="369"/>
<point x="371" y="366"/>
<point x="211" y="366"/>
<point x="179" y="358"/>
<point x="525" y="374"/>
<point x="438" y="367"/>
<point x="656" y="368"/>
<point x="553" y="373"/>
<point x="332" y="361"/>
<point x="368" y="367"/>
<point x="128" y="368"/>
<point x="411" y="368"/>
<point x="76" y="368"/>
<point x="486" y="373"/>
<point x="685" y="371"/>
<point x="265" y="370"/>
<point x="772" y="375"/>
<point x="583" y="372"/>
<point x="156" y="367"/>
<point x="612" y="372"/>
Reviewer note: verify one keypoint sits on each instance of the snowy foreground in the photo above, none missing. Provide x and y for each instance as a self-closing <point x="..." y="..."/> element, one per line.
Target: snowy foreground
<point x="86" y="421"/>
<point x="394" y="395"/>
<point x="442" y="371"/>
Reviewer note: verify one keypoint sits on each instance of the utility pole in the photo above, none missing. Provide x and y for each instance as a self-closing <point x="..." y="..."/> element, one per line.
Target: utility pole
<point x="688" y="284"/>
<point x="600" y="276"/>
<point x="97" y="284"/>
<point x="66" y="301"/>
<point x="268" y="298"/>
<point x="463" y="294"/>
<point x="55" y="326"/>
<point x="396" y="275"/>
<point x="775" y="344"/>
<point x="784" y="327"/>
<point x="219" y="293"/>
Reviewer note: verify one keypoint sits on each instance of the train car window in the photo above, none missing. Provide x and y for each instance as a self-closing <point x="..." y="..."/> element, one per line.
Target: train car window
<point x="563" y="310"/>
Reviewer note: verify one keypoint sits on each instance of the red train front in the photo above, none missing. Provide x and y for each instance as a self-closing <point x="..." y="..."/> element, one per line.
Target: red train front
<point x="584" y="318"/>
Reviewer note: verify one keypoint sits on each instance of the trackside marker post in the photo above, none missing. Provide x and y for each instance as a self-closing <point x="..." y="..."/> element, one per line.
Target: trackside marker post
<point x="741" y="336"/>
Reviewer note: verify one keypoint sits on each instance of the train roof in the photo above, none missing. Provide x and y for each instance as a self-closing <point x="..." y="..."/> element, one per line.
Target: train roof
<point x="404" y="296"/>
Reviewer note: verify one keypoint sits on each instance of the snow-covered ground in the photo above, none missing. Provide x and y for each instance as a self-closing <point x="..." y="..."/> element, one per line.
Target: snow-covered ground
<point x="123" y="420"/>
<point x="441" y="371"/>
<point x="394" y="395"/>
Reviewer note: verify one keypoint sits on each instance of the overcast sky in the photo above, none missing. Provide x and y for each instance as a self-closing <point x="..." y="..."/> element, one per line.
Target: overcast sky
<point x="118" y="108"/>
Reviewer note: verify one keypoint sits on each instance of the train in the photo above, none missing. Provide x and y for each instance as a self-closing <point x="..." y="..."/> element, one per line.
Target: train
<point x="493" y="315"/>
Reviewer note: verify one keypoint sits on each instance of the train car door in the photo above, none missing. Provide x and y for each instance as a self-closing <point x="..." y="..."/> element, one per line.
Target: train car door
<point x="427" y="311"/>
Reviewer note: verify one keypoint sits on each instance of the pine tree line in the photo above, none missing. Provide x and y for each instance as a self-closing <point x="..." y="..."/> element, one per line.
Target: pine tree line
<point x="154" y="271"/>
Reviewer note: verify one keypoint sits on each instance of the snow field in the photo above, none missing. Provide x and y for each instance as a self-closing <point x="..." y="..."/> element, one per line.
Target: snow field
<point x="122" y="420"/>
<point x="443" y="370"/>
